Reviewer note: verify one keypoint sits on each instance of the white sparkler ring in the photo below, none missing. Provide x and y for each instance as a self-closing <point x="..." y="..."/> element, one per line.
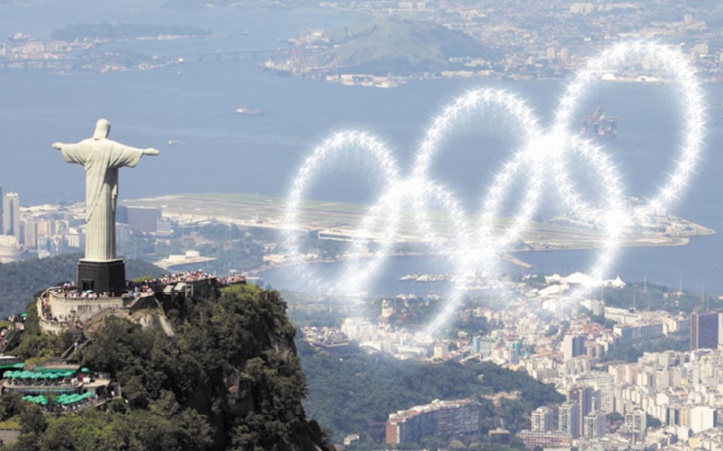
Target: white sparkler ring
<point x="544" y="158"/>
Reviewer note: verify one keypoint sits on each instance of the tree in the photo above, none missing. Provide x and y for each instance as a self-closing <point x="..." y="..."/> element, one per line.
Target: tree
<point x="32" y="426"/>
<point x="10" y="405"/>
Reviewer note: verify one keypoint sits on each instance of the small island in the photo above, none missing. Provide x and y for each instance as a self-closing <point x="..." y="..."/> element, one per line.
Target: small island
<point x="369" y="53"/>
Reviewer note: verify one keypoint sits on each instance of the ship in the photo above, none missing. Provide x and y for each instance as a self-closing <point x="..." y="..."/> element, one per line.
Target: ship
<point x="249" y="112"/>
<point x="599" y="124"/>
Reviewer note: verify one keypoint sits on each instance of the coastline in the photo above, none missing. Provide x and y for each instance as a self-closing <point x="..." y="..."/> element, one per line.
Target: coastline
<point x="509" y="257"/>
<point x="267" y="212"/>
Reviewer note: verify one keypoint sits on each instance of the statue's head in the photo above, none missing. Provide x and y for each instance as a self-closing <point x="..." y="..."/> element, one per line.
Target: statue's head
<point x="102" y="128"/>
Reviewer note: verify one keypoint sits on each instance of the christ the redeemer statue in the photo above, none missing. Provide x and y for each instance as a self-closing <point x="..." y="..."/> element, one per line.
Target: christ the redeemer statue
<point x="101" y="158"/>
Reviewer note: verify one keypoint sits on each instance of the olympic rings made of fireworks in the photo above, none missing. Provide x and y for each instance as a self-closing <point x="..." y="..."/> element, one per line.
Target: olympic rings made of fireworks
<point x="544" y="158"/>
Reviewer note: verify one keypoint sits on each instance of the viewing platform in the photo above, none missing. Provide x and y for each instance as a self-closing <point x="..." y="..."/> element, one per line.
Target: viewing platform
<point x="60" y="307"/>
<point x="65" y="306"/>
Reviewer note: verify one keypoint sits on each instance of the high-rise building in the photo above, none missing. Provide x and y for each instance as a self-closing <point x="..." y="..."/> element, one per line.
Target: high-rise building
<point x="11" y="215"/>
<point x="9" y="249"/>
<point x="572" y="346"/>
<point x="569" y="419"/>
<point x="143" y="219"/>
<point x="635" y="423"/>
<point x="476" y="340"/>
<point x="486" y="345"/>
<point x="440" y="350"/>
<point x="594" y="425"/>
<point x="564" y="53"/>
<point x="551" y="54"/>
<point x="440" y="418"/>
<point x="587" y="398"/>
<point x="583" y="395"/>
<point x="542" y="419"/>
<point x="704" y="330"/>
<point x="701" y="418"/>
<point x="551" y="440"/>
<point x="30" y="234"/>
<point x="46" y="229"/>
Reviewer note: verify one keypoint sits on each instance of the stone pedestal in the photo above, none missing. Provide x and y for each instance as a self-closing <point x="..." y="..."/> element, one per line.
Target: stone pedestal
<point x="102" y="276"/>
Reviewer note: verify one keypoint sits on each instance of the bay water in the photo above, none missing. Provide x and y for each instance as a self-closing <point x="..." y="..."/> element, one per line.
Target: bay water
<point x="187" y="111"/>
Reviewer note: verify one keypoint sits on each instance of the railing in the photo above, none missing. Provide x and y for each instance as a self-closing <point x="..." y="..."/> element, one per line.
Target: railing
<point x="75" y="296"/>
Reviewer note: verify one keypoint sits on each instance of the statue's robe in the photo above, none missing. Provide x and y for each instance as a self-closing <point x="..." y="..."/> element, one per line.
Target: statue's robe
<point x="101" y="159"/>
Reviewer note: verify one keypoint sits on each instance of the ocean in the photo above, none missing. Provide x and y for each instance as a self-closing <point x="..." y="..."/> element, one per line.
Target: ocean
<point x="187" y="111"/>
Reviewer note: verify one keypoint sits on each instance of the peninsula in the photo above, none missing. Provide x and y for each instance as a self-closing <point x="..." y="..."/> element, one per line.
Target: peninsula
<point x="338" y="220"/>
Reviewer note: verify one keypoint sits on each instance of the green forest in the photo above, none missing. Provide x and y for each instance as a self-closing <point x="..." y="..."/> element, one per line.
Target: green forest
<point x="347" y="394"/>
<point x="229" y="378"/>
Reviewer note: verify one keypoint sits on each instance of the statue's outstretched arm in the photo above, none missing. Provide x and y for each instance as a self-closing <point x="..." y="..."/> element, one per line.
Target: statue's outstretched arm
<point x="73" y="153"/>
<point x="123" y="155"/>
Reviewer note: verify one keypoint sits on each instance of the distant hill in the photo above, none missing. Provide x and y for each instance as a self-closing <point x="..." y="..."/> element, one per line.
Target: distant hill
<point x="346" y="395"/>
<point x="401" y="47"/>
<point x="21" y="280"/>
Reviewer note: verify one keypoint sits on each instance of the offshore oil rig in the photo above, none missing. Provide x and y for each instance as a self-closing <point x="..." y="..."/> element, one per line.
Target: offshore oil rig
<point x="599" y="124"/>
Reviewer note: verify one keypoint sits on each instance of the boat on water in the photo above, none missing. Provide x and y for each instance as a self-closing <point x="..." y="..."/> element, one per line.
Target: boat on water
<point x="599" y="124"/>
<point x="249" y="112"/>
